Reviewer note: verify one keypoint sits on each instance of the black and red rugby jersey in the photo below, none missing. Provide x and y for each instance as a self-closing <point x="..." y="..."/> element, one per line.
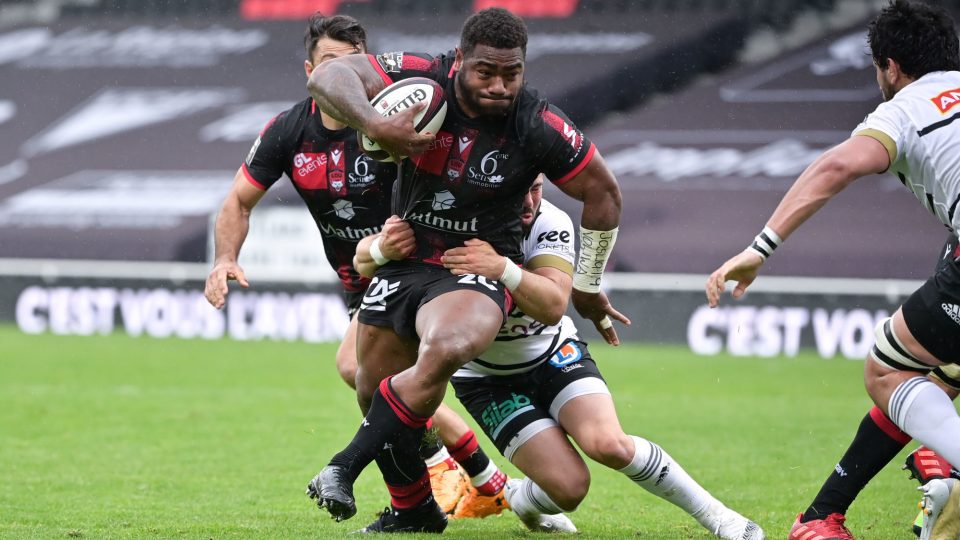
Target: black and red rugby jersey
<point x="347" y="193"/>
<point x="477" y="171"/>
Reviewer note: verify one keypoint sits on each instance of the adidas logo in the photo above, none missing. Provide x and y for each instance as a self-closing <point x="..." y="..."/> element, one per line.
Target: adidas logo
<point x="952" y="310"/>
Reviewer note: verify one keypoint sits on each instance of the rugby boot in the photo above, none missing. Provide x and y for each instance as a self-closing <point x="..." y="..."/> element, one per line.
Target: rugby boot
<point x="828" y="528"/>
<point x="729" y="525"/>
<point x="475" y="505"/>
<point x="925" y="465"/>
<point x="426" y="518"/>
<point x="448" y="484"/>
<point x="535" y="521"/>
<point x="333" y="492"/>
<point x="941" y="510"/>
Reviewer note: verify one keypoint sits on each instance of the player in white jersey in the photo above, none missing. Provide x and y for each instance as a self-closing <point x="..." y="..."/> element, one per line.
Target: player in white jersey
<point x="537" y="384"/>
<point x="914" y="135"/>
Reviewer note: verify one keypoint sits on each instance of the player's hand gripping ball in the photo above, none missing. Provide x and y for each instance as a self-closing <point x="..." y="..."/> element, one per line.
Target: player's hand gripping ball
<point x="402" y="95"/>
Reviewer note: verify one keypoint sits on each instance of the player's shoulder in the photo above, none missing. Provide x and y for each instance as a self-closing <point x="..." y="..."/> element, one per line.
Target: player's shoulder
<point x="932" y="95"/>
<point x="551" y="225"/>
<point x="293" y="119"/>
<point x="536" y="117"/>
<point x="551" y="235"/>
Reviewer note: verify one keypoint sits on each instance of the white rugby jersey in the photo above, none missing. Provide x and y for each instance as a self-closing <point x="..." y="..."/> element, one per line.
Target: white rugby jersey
<point x="523" y="343"/>
<point x="920" y="127"/>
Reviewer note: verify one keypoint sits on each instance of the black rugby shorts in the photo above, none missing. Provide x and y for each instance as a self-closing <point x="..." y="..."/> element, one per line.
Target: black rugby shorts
<point x="352" y="299"/>
<point x="932" y="312"/>
<point x="511" y="409"/>
<point x="400" y="289"/>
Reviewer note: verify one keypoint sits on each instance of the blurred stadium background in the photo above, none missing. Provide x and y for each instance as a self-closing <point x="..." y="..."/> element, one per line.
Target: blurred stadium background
<point x="124" y="121"/>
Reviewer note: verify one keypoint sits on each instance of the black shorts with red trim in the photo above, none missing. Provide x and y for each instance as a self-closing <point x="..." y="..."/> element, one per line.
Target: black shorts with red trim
<point x="932" y="312"/>
<point x="400" y="289"/>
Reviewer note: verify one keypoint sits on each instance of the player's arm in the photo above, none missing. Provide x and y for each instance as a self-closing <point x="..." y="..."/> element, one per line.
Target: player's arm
<point x="394" y="242"/>
<point x="597" y="188"/>
<point x="230" y="231"/>
<point x="343" y="87"/>
<point x="541" y="291"/>
<point x="828" y="175"/>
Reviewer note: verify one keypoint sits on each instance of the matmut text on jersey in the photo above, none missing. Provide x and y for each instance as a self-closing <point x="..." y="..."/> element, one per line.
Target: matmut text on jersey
<point x="472" y="179"/>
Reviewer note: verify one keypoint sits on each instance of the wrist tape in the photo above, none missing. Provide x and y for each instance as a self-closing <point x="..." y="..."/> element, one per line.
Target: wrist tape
<point x="765" y="243"/>
<point x="376" y="254"/>
<point x="511" y="276"/>
<point x="595" y="249"/>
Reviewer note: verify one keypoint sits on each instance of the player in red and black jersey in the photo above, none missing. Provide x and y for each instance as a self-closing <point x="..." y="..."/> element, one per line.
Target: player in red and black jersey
<point x="466" y="181"/>
<point x="348" y="195"/>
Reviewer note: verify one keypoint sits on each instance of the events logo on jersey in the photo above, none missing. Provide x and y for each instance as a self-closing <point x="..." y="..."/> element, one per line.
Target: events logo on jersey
<point x="391" y="62"/>
<point x="486" y="174"/>
<point x="947" y="100"/>
<point x="434" y="159"/>
<point x="310" y="170"/>
<point x="377" y="293"/>
<point x="497" y="415"/>
<point x="566" y="355"/>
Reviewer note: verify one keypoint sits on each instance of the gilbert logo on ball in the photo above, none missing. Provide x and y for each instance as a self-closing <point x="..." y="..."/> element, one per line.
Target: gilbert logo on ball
<point x="400" y="96"/>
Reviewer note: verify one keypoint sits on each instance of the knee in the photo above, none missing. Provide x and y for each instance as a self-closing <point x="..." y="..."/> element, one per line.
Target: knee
<point x="439" y="359"/>
<point x="615" y="450"/>
<point x="347" y="368"/>
<point x="365" y="389"/>
<point x="570" y="490"/>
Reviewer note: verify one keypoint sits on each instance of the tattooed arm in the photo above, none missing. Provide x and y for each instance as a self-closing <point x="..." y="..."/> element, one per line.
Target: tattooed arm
<point x="343" y="87"/>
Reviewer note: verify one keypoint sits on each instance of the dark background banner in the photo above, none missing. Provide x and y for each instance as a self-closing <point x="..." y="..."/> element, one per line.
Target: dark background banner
<point x="121" y="137"/>
<point x="703" y="168"/>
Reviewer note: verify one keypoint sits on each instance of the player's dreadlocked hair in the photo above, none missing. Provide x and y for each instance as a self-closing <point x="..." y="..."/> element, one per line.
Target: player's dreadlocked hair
<point x="919" y="37"/>
<point x="494" y="27"/>
<point x="339" y="27"/>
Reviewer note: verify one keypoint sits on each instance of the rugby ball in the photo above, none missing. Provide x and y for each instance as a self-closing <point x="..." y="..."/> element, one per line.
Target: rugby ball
<point x="403" y="95"/>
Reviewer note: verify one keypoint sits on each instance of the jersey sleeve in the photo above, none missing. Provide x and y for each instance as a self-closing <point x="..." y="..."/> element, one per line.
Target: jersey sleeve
<point x="888" y="124"/>
<point x="269" y="155"/>
<point x="568" y="149"/>
<point x="396" y="66"/>
<point x="550" y="242"/>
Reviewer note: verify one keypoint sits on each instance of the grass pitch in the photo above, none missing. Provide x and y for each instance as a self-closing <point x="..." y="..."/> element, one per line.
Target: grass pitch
<point x="118" y="437"/>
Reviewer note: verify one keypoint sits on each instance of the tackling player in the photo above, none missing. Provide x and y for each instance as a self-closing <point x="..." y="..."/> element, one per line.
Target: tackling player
<point x="537" y="384"/>
<point x="417" y="320"/>
<point x="913" y="134"/>
<point x="875" y="444"/>
<point x="348" y="195"/>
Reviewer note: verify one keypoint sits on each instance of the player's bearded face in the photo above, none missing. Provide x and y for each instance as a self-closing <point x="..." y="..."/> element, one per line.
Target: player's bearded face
<point x="489" y="79"/>
<point x="531" y="202"/>
<point x="885" y="87"/>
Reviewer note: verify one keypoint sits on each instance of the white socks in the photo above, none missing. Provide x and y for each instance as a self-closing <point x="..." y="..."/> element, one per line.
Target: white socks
<point x="655" y="471"/>
<point x="527" y="499"/>
<point x="924" y="411"/>
<point x="439" y="457"/>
